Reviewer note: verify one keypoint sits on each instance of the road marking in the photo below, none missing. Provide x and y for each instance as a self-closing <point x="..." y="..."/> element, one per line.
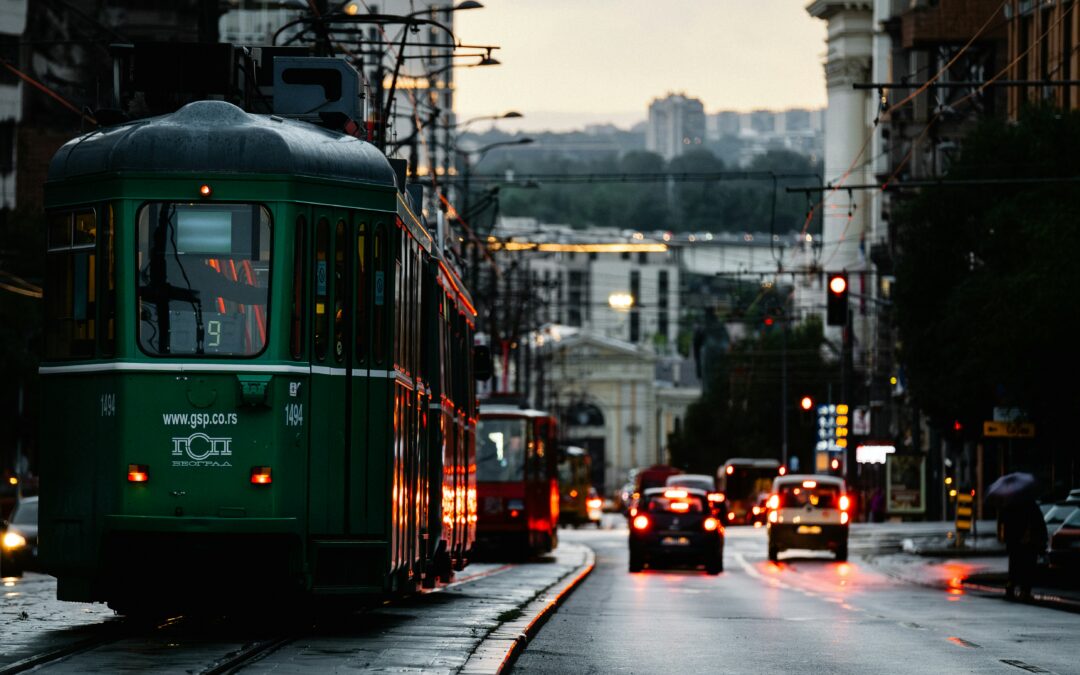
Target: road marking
<point x="1016" y="663"/>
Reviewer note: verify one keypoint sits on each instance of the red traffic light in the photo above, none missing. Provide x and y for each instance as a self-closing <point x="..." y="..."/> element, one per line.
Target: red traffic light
<point x="838" y="284"/>
<point x="806" y="403"/>
<point x="769" y="321"/>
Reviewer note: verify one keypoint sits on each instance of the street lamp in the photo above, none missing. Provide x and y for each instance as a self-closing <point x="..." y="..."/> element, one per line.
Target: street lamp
<point x="512" y="114"/>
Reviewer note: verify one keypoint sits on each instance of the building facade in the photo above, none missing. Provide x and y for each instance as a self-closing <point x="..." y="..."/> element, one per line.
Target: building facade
<point x="676" y="124"/>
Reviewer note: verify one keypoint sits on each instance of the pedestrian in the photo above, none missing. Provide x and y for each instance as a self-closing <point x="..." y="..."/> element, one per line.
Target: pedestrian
<point x="877" y="506"/>
<point x="1025" y="538"/>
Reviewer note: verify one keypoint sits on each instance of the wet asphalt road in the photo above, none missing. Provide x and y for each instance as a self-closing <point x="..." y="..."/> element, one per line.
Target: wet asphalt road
<point x="806" y="614"/>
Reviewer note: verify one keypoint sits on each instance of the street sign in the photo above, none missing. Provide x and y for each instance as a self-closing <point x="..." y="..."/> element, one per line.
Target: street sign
<point x="1009" y="415"/>
<point x="1009" y="429"/>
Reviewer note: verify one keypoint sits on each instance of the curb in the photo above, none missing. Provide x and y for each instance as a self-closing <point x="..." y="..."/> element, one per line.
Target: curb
<point x="500" y="649"/>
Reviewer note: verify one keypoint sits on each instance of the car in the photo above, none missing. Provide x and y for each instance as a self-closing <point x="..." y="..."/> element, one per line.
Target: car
<point x="19" y="543"/>
<point x="701" y="481"/>
<point x="1056" y="516"/>
<point x="1064" y="551"/>
<point x="808" y="511"/>
<point x="676" y="525"/>
<point x="595" y="507"/>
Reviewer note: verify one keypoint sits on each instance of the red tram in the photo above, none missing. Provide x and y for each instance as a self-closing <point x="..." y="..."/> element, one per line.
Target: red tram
<point x="517" y="481"/>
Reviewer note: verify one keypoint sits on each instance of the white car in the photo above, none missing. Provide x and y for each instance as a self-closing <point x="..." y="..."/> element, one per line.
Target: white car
<point x="808" y="512"/>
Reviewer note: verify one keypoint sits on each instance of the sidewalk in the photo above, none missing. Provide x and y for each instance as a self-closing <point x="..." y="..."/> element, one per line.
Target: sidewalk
<point x="969" y="572"/>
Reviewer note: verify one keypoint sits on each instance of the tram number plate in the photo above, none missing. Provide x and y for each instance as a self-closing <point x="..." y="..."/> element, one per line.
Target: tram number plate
<point x="675" y="541"/>
<point x="809" y="529"/>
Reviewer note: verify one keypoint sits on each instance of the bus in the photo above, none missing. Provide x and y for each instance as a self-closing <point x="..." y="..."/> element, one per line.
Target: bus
<point x="580" y="503"/>
<point x="517" y="482"/>
<point x="744" y="482"/>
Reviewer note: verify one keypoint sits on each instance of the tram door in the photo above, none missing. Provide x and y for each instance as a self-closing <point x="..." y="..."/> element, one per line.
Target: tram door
<point x="328" y="496"/>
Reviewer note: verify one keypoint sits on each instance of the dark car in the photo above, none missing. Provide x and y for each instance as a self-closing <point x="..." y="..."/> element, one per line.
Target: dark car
<point x="676" y="525"/>
<point x="18" y="544"/>
<point x="1065" y="544"/>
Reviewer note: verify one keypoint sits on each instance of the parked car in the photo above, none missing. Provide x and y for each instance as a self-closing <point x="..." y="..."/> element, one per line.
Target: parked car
<point x="18" y="544"/>
<point x="676" y="525"/>
<point x="1065" y="544"/>
<point x="809" y="512"/>
<point x="1057" y="515"/>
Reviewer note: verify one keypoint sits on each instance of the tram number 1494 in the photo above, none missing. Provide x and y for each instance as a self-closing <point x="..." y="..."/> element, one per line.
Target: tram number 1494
<point x="294" y="414"/>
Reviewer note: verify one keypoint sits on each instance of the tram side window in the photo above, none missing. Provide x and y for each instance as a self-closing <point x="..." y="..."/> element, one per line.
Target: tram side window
<point x="322" y="291"/>
<point x="203" y="278"/>
<point x="361" y="293"/>
<point x="339" y="291"/>
<point x="108" y="291"/>
<point x="379" y="323"/>
<point x="296" y="324"/>
<point x="70" y="285"/>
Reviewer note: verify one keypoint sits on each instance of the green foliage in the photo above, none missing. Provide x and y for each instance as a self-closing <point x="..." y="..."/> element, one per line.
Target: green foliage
<point x="739" y="412"/>
<point x="743" y="205"/>
<point x="986" y="280"/>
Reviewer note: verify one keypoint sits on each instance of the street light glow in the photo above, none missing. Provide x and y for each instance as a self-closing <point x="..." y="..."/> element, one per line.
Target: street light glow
<point x="620" y="301"/>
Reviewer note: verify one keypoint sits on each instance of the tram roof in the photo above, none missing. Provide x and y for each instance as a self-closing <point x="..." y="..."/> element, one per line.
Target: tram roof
<point x="218" y="137"/>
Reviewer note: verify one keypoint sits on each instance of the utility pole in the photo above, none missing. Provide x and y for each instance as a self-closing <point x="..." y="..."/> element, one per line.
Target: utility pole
<point x="783" y="392"/>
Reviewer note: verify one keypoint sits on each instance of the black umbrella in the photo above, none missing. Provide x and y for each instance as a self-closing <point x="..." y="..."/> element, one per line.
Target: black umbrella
<point x="1011" y="486"/>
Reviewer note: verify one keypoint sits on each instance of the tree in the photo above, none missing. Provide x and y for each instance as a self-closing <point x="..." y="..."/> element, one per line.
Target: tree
<point x="986" y="280"/>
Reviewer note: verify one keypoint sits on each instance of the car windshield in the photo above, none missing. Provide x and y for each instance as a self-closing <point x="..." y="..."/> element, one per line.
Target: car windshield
<point x="1073" y="520"/>
<point x="696" y="482"/>
<point x="1059" y="514"/>
<point x="665" y="504"/>
<point x="800" y="495"/>
<point x="500" y="453"/>
<point x="25" y="514"/>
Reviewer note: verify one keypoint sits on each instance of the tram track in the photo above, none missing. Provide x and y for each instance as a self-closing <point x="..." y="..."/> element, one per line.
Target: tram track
<point x="195" y="640"/>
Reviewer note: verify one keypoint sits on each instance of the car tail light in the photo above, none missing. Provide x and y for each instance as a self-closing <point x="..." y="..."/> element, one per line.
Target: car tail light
<point x="845" y="502"/>
<point x="711" y="524"/>
<point x="716" y="497"/>
<point x="595" y="503"/>
<point x="641" y="522"/>
<point x="730" y="470"/>
<point x="138" y="473"/>
<point x="633" y="511"/>
<point x="773" y="516"/>
<point x="783" y="471"/>
<point x="679" y="507"/>
<point x="756" y="510"/>
<point x="260" y="475"/>
<point x="809" y="483"/>
<point x="773" y="503"/>
<point x="676" y="494"/>
<point x="731" y="515"/>
<point x="844" y="517"/>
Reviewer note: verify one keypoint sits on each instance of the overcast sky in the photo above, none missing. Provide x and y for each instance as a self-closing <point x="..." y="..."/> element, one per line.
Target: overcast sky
<point x="567" y="63"/>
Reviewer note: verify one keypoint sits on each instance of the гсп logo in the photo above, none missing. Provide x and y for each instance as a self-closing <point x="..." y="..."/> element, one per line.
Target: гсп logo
<point x="199" y="446"/>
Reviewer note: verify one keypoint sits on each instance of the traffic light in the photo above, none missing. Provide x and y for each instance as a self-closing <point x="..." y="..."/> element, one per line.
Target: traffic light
<point x="806" y="403"/>
<point x="836" y="310"/>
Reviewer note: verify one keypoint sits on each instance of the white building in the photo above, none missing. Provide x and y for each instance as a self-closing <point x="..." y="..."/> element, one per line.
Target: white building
<point x="676" y="124"/>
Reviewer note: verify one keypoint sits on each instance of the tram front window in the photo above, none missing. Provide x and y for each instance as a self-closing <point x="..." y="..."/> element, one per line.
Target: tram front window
<point x="500" y="452"/>
<point x="204" y="278"/>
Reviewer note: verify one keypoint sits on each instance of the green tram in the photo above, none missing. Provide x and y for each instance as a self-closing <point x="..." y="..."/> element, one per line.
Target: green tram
<point x="258" y="368"/>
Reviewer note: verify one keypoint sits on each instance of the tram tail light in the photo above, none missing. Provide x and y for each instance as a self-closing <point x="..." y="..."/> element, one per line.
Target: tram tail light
<point x="260" y="475"/>
<point x="138" y="473"/>
<point x="711" y="524"/>
<point x="641" y="522"/>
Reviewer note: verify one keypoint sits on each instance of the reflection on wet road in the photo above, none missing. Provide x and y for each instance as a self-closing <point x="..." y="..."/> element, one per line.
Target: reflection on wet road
<point x="806" y="613"/>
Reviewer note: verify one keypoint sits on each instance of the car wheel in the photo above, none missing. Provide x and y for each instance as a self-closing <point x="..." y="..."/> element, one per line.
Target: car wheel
<point x="841" y="553"/>
<point x="637" y="563"/>
<point x="714" y="564"/>
<point x="774" y="553"/>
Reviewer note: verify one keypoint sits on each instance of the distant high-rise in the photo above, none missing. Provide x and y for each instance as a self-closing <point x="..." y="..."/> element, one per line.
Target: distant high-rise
<point x="676" y="124"/>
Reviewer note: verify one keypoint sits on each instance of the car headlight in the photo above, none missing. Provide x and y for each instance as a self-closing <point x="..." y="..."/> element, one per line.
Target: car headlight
<point x="13" y="540"/>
